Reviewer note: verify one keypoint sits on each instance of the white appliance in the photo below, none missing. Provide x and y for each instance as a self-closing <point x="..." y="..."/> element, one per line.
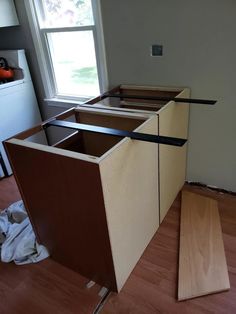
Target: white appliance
<point x="18" y="105"/>
<point x="8" y="16"/>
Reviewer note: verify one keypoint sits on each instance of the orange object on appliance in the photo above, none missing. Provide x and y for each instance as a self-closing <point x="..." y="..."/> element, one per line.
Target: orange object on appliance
<point x="6" y="73"/>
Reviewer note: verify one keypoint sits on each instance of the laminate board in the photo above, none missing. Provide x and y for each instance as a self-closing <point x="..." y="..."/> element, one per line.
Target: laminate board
<point x="202" y="263"/>
<point x="129" y="181"/>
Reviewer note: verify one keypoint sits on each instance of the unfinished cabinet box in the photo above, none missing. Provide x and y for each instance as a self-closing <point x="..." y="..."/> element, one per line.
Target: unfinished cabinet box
<point x="96" y="200"/>
<point x="172" y="121"/>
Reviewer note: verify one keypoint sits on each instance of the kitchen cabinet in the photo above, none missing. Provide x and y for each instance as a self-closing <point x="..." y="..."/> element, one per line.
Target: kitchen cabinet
<point x="96" y="200"/>
<point x="8" y="15"/>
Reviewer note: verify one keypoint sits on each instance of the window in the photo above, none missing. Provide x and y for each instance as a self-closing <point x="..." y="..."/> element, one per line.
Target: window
<point x="69" y="44"/>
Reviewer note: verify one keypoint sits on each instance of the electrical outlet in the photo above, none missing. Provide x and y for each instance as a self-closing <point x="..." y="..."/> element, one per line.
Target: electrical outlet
<point x="156" y="50"/>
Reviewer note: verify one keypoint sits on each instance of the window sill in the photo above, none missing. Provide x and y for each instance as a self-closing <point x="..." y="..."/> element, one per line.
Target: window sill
<point x="63" y="103"/>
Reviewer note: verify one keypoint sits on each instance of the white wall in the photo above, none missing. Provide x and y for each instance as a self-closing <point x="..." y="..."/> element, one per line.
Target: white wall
<point x="199" y="39"/>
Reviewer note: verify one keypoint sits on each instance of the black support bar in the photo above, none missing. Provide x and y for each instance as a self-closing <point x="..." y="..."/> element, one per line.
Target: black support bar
<point x="120" y="133"/>
<point x="161" y="98"/>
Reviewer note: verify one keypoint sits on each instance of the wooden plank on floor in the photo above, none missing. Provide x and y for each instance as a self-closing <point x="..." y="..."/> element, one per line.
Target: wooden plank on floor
<point x="202" y="263"/>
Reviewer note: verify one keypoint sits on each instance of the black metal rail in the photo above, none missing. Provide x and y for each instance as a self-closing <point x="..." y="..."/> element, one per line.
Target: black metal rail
<point x="174" y="141"/>
<point x="161" y="98"/>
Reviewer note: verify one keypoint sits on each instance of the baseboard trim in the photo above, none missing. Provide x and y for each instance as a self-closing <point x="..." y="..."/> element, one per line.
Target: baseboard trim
<point x="214" y="188"/>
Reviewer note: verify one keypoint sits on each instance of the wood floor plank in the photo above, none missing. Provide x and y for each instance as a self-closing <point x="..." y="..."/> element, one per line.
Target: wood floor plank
<point x="202" y="263"/>
<point x="9" y="192"/>
<point x="150" y="289"/>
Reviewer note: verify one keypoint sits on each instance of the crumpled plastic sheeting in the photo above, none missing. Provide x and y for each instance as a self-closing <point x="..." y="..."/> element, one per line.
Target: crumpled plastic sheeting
<point x="17" y="239"/>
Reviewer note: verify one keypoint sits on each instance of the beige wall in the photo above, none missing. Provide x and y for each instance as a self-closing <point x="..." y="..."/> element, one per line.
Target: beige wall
<point x="200" y="52"/>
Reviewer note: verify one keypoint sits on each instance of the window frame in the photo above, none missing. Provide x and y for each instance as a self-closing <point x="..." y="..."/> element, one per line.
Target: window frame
<point x="39" y="36"/>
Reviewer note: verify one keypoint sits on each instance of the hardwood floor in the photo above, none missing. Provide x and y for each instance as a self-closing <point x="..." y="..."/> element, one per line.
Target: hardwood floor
<point x="9" y="192"/>
<point x="152" y="286"/>
<point x="48" y="287"/>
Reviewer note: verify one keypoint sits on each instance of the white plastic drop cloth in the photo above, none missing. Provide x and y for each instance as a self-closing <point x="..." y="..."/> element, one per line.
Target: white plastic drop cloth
<point x="17" y="239"/>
